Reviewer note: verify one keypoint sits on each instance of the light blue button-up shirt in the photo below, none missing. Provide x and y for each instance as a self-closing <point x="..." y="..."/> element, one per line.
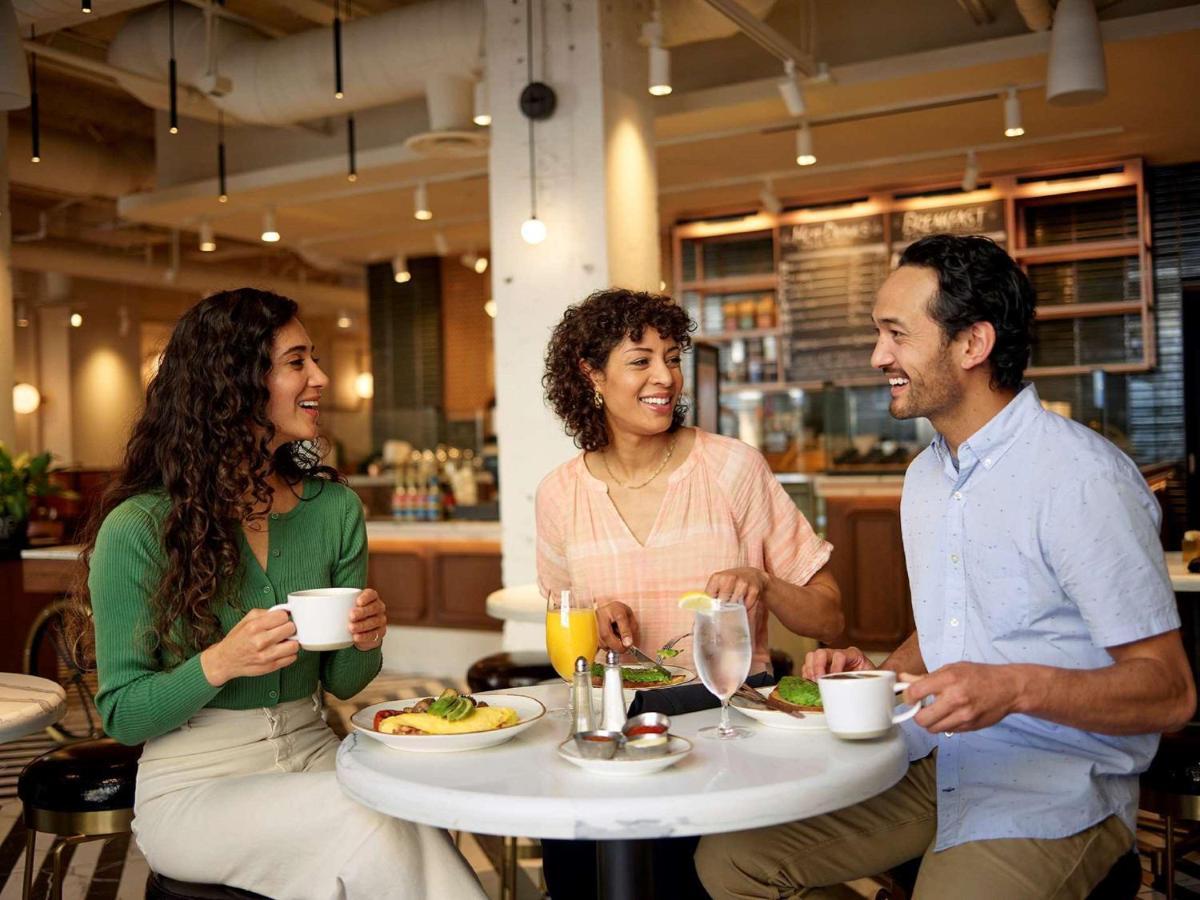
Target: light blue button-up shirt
<point x="1039" y="546"/>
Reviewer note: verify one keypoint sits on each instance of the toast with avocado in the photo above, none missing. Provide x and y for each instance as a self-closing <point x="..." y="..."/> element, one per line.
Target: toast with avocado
<point x="798" y="693"/>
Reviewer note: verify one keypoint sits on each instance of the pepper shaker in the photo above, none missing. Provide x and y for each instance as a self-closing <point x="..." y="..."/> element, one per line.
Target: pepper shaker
<point x="581" y="696"/>
<point x="613" y="703"/>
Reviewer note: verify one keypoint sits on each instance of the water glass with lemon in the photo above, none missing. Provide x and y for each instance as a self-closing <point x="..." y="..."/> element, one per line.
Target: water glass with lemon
<point x="721" y="650"/>
<point x="571" y="632"/>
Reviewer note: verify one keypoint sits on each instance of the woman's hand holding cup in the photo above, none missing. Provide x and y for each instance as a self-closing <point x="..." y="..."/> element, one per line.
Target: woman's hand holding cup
<point x="260" y="643"/>
<point x="368" y="620"/>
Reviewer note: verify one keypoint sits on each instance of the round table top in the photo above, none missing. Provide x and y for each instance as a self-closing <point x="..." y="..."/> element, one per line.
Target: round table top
<point x="521" y="603"/>
<point x="28" y="704"/>
<point x="522" y="787"/>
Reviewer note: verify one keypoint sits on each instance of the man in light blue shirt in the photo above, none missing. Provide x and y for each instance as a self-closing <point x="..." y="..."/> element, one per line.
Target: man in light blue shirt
<point x="1047" y="647"/>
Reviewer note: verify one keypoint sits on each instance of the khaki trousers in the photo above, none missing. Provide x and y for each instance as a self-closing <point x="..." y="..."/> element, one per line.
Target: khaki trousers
<point x="813" y="857"/>
<point x="249" y="798"/>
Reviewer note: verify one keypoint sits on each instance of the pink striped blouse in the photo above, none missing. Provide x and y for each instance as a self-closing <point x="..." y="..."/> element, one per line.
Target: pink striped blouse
<point x="723" y="509"/>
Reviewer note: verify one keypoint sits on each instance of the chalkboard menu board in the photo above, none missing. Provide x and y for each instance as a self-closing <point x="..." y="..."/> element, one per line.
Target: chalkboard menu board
<point x="828" y="275"/>
<point x="976" y="218"/>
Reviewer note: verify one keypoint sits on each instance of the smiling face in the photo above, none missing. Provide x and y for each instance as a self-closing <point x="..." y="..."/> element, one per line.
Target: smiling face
<point x="295" y="382"/>
<point x="911" y="349"/>
<point x="641" y="383"/>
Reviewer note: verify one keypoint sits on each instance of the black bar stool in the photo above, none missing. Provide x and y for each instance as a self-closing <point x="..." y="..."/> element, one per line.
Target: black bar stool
<point x="160" y="887"/>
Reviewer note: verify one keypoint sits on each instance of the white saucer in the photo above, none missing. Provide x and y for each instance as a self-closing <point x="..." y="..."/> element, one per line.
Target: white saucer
<point x="620" y="764"/>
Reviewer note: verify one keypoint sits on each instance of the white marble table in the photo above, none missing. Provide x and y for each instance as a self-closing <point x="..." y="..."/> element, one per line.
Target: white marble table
<point x="28" y="704"/>
<point x="523" y="788"/>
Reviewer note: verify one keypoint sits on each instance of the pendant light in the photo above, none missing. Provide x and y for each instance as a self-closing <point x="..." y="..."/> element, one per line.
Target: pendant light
<point x="421" y="210"/>
<point x="35" y="131"/>
<point x="173" y="82"/>
<point x="537" y="101"/>
<point x="270" y="231"/>
<point x="351" y="156"/>
<point x="85" y="6"/>
<point x="400" y="273"/>
<point x="481" y="114"/>
<point x="207" y="242"/>
<point x="1012" y="114"/>
<point x="338" y="87"/>
<point x="804" y="146"/>
<point x="222" y="193"/>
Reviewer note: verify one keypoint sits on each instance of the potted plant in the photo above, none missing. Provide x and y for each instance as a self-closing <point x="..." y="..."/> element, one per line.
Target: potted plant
<point x="22" y="478"/>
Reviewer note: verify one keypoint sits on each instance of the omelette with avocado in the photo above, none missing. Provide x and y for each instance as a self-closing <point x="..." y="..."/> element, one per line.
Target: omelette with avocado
<point x="799" y="693"/>
<point x="450" y="713"/>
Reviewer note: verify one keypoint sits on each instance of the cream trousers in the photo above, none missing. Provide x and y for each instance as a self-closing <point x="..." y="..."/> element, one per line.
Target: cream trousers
<point x="248" y="798"/>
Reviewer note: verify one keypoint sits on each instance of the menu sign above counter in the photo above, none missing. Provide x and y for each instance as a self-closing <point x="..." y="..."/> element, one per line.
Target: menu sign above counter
<point x="976" y="218"/>
<point x="836" y="233"/>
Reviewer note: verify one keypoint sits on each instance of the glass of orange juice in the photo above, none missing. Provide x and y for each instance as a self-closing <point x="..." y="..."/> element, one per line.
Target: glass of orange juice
<point x="571" y="632"/>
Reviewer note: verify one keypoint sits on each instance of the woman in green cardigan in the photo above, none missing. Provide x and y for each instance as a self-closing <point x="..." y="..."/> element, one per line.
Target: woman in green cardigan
<point x="221" y="509"/>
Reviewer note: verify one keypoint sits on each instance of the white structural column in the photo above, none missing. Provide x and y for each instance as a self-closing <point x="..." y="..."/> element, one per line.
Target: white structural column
<point x="8" y="422"/>
<point x="596" y="194"/>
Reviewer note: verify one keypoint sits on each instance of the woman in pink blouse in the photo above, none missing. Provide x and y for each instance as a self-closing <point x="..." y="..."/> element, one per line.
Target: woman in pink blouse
<point x="650" y="509"/>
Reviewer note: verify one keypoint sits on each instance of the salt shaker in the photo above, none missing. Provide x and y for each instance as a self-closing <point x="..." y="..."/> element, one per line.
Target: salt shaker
<point x="581" y="696"/>
<point x="613" y="703"/>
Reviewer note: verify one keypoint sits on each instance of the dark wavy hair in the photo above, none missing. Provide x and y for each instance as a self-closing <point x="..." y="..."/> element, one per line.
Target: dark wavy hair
<point x="587" y="333"/>
<point x="979" y="282"/>
<point x="203" y="440"/>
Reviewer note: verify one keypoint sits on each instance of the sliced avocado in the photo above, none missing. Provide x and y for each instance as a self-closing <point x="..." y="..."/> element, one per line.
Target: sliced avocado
<point x="444" y="702"/>
<point x="461" y="709"/>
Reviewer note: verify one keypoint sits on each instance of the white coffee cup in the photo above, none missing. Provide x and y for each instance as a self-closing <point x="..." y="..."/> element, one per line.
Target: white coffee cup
<point x="860" y="705"/>
<point x="322" y="616"/>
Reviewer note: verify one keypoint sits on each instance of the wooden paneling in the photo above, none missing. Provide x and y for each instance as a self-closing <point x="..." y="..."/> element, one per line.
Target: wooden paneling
<point x="442" y="584"/>
<point x="868" y="563"/>
<point x="402" y="585"/>
<point x="463" y="582"/>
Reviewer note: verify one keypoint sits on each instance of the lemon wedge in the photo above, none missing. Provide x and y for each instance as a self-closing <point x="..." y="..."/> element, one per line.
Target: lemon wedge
<point x="698" y="601"/>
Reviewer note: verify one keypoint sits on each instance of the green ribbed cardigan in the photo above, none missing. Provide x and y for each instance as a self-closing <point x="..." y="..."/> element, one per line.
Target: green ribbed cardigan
<point x="322" y="542"/>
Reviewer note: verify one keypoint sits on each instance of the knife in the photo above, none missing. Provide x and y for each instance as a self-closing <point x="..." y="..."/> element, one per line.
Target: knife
<point x="654" y="664"/>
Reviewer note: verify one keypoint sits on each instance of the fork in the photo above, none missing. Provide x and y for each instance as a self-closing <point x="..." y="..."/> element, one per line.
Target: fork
<point x="663" y="652"/>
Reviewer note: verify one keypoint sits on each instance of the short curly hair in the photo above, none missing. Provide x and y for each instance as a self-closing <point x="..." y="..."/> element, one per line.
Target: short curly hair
<point x="587" y="333"/>
<point x="979" y="282"/>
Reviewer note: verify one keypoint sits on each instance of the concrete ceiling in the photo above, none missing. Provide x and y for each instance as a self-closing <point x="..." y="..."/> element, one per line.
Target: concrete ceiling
<point x="721" y="132"/>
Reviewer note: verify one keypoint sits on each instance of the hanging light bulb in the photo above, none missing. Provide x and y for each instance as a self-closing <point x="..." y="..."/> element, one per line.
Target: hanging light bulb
<point x="207" y="243"/>
<point x="1012" y="114"/>
<point x="76" y="320"/>
<point x="343" y="320"/>
<point x="400" y="273"/>
<point x="1075" y="68"/>
<point x="421" y="210"/>
<point x="26" y="398"/>
<point x="533" y="230"/>
<point x="970" y="179"/>
<point x="791" y="91"/>
<point x="270" y="233"/>
<point x="804" y="146"/>
<point x="482" y="115"/>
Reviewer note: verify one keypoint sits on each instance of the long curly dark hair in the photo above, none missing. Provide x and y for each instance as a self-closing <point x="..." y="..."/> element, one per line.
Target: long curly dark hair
<point x="587" y="333"/>
<point x="203" y="439"/>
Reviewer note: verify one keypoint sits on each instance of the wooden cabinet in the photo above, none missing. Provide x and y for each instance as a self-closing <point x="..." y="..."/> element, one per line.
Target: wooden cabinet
<point x="868" y="563"/>
<point x="436" y="583"/>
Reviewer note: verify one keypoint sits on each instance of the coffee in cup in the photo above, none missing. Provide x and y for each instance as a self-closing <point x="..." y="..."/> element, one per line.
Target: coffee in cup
<point x="322" y="616"/>
<point x="860" y="705"/>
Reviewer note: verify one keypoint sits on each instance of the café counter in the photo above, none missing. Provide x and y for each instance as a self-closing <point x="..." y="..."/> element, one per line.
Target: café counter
<point x="435" y="574"/>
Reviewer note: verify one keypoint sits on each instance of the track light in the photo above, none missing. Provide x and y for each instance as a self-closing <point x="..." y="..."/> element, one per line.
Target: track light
<point x="400" y="273"/>
<point x="804" y="146"/>
<point x="970" y="179"/>
<point x="791" y="91"/>
<point x="207" y="243"/>
<point x="533" y="230"/>
<point x="482" y="113"/>
<point x="270" y="233"/>
<point x="421" y="210"/>
<point x="769" y="199"/>
<point x="660" y="58"/>
<point x="1012" y="114"/>
<point x="1075" y="67"/>
<point x="474" y="261"/>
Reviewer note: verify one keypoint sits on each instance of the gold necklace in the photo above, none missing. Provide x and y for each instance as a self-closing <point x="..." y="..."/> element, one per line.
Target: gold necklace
<point x="653" y="475"/>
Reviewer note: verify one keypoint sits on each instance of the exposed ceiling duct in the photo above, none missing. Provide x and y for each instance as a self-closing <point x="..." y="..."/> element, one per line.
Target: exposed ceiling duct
<point x="83" y="167"/>
<point x="428" y="49"/>
<point x="51" y="15"/>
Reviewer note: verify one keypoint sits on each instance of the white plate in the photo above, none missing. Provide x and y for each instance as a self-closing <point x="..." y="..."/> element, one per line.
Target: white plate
<point x="812" y="721"/>
<point x="620" y="764"/>
<point x="528" y="711"/>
